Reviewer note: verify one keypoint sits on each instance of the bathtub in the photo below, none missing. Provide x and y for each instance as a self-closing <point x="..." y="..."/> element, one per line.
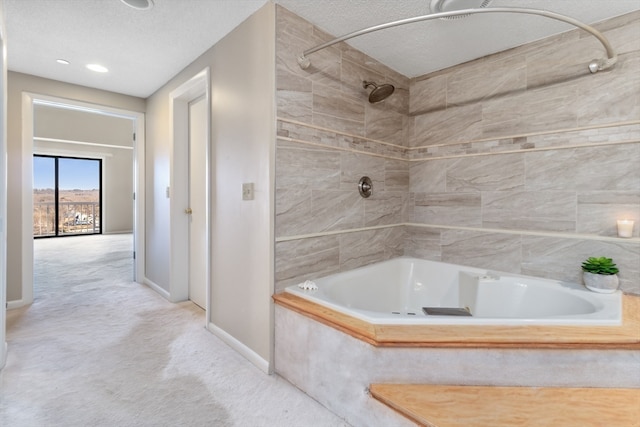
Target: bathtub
<point x="414" y="291"/>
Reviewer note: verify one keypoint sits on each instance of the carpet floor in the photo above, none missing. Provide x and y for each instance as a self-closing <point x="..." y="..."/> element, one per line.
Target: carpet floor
<point x="97" y="349"/>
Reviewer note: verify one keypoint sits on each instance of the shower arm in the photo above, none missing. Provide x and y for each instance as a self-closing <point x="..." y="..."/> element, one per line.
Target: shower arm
<point x="594" y="66"/>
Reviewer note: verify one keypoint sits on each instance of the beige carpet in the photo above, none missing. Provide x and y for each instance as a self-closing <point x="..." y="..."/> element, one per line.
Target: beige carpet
<point x="97" y="349"/>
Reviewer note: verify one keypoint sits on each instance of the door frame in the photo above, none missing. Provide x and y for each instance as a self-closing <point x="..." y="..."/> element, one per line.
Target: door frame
<point x="194" y="88"/>
<point x="3" y="189"/>
<point x="29" y="99"/>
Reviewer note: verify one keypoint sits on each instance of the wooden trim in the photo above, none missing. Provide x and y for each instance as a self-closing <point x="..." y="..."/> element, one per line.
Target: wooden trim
<point x="625" y="336"/>
<point x="473" y="406"/>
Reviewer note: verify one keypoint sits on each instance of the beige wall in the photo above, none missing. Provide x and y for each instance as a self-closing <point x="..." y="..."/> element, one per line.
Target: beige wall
<point x="242" y="145"/>
<point x="17" y="84"/>
<point x="94" y="136"/>
<point x="521" y="161"/>
<point x="82" y="126"/>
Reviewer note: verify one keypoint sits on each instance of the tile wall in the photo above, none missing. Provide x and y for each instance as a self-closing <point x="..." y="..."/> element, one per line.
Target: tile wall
<point x="521" y="161"/>
<point x="329" y="136"/>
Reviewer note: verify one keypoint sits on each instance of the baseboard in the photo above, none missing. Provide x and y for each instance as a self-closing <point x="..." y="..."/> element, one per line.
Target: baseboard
<point x="15" y="304"/>
<point x="157" y="288"/>
<point x="245" y="351"/>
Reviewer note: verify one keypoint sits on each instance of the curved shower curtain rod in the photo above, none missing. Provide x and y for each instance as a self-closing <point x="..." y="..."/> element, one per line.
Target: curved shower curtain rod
<point x="594" y="66"/>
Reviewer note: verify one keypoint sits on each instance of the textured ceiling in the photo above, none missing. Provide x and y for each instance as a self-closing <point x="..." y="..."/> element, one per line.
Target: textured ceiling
<point x="141" y="49"/>
<point x="420" y="48"/>
<point x="144" y="49"/>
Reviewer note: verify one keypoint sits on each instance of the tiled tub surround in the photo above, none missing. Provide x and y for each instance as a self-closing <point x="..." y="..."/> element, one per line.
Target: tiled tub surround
<point x="500" y="163"/>
<point x="539" y="213"/>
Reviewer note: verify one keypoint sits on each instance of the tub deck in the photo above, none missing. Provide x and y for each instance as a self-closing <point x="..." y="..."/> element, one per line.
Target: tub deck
<point x="473" y="406"/>
<point x="624" y="336"/>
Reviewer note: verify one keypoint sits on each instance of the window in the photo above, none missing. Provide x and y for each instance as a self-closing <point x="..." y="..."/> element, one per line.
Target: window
<point x="67" y="196"/>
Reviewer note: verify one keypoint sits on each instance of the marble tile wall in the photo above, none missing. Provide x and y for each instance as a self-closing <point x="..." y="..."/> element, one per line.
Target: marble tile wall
<point x="329" y="94"/>
<point x="533" y="156"/>
<point x="539" y="87"/>
<point x="519" y="162"/>
<point x="317" y="190"/>
<point x="302" y="259"/>
<point x="329" y="136"/>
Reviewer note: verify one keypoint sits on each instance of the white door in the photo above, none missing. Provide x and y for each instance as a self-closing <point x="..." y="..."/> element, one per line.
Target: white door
<point x="198" y="201"/>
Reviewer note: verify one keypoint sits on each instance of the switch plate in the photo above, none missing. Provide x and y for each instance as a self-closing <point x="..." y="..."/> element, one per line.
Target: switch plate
<point x="247" y="191"/>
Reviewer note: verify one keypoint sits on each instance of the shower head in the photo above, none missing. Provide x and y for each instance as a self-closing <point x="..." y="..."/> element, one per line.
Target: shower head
<point x="379" y="92"/>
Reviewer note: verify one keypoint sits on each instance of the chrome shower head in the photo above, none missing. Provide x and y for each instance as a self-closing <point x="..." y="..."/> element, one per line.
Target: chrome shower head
<point x="379" y="92"/>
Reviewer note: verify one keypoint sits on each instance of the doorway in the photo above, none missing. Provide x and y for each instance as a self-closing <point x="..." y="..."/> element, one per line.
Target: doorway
<point x="67" y="196"/>
<point x="29" y="102"/>
<point x="190" y="192"/>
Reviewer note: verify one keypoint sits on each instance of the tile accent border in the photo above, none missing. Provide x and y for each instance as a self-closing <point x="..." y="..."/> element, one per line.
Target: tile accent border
<point x="609" y="134"/>
<point x="302" y="133"/>
<point x="620" y="133"/>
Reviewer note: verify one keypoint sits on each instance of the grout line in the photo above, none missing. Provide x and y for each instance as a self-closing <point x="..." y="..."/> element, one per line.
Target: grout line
<point x="449" y="227"/>
<point x="333" y="233"/>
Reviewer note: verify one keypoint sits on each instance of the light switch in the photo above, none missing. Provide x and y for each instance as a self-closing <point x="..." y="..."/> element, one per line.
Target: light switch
<point x="247" y="191"/>
<point x="168" y="192"/>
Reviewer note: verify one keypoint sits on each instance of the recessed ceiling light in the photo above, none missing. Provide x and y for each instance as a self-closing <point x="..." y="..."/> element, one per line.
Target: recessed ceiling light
<point x="97" y="68"/>
<point x="62" y="61"/>
<point x="139" y="4"/>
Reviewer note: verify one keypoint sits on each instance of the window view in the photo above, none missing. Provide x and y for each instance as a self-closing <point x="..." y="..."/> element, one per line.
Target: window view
<point x="66" y="196"/>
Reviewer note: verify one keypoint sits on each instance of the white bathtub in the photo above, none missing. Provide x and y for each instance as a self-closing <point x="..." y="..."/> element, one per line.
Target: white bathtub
<point x="395" y="292"/>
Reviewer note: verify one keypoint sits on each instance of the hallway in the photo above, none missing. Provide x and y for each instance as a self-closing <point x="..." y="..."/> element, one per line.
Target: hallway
<point x="96" y="349"/>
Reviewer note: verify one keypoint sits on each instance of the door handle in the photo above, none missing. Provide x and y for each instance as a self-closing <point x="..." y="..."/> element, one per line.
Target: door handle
<point x="188" y="211"/>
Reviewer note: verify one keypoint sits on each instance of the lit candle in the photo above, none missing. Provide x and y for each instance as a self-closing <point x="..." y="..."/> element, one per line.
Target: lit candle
<point x="625" y="227"/>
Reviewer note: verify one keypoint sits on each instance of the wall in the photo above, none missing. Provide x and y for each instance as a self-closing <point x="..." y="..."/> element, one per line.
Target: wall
<point x="242" y="144"/>
<point x="94" y="136"/>
<point x="521" y="161"/>
<point x="529" y="159"/>
<point x="17" y="84"/>
<point x="329" y="136"/>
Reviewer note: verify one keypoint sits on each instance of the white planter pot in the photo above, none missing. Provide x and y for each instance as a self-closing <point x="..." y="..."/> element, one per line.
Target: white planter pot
<point x="602" y="283"/>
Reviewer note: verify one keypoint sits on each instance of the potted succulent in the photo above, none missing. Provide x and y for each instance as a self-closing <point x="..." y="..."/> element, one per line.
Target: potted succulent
<point x="599" y="274"/>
